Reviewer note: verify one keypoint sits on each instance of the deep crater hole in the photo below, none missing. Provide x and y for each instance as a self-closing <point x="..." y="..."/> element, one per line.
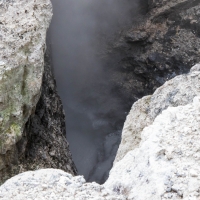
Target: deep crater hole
<point x="80" y="35"/>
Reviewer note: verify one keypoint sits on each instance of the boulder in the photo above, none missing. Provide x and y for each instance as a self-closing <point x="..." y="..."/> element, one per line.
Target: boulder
<point x="32" y="133"/>
<point x="178" y="91"/>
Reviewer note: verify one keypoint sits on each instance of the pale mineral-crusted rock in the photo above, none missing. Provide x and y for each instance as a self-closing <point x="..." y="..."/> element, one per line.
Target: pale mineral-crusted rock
<point x="179" y="91"/>
<point x="23" y="26"/>
<point x="53" y="184"/>
<point x="25" y="78"/>
<point x="166" y="163"/>
<point x="164" y="166"/>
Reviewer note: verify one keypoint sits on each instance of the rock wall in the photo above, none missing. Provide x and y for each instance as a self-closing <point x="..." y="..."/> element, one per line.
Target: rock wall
<point x="166" y="163"/>
<point x="161" y="44"/>
<point x="33" y="144"/>
<point x="23" y="28"/>
<point x="44" y="143"/>
<point x="164" y="166"/>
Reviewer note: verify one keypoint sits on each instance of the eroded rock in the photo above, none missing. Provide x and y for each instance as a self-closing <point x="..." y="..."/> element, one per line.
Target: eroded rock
<point x="23" y="26"/>
<point x="163" y="43"/>
<point x="32" y="120"/>
<point x="44" y="143"/>
<point x="166" y="163"/>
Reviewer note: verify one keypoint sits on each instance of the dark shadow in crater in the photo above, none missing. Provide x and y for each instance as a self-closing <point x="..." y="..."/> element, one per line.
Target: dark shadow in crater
<point x="79" y="33"/>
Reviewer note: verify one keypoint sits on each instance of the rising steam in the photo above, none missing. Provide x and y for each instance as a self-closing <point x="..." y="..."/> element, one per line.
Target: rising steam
<point x="79" y="33"/>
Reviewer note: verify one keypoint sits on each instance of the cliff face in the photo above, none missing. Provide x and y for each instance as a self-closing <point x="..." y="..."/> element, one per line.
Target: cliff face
<point x="23" y="32"/>
<point x="164" y="45"/>
<point x="164" y="166"/>
<point x="44" y="143"/>
<point x="23" y="26"/>
<point x="161" y="45"/>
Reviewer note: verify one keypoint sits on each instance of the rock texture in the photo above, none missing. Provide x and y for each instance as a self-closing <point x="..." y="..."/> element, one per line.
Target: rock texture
<point x="179" y="91"/>
<point x="160" y="45"/>
<point x="44" y="143"/>
<point x="161" y="159"/>
<point x="53" y="184"/>
<point x="23" y="28"/>
<point x="164" y="166"/>
<point x="30" y="137"/>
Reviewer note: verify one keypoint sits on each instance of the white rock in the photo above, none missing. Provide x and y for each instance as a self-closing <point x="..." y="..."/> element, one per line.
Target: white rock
<point x="181" y="90"/>
<point x="2" y="63"/>
<point x="148" y="166"/>
<point x="22" y="45"/>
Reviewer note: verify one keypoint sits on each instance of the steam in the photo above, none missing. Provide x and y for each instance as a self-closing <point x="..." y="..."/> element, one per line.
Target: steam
<point x="79" y="33"/>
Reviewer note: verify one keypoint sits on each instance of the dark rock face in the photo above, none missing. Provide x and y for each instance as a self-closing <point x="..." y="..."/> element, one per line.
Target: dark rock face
<point x="45" y="131"/>
<point x="44" y="143"/>
<point x="165" y="43"/>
